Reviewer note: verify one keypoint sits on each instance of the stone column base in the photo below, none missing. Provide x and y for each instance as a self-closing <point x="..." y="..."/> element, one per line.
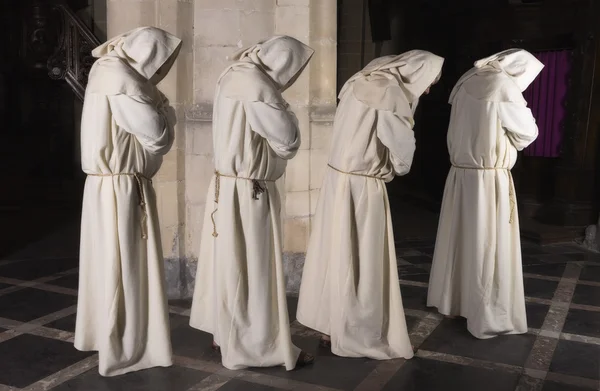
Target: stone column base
<point x="181" y="275"/>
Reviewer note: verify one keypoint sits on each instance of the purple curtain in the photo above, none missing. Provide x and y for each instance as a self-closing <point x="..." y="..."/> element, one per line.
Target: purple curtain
<point x="546" y="99"/>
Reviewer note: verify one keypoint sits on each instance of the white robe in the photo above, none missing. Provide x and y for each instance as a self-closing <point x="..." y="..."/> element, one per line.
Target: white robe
<point x="240" y="295"/>
<point x="122" y="309"/>
<point x="350" y="289"/>
<point x="477" y="270"/>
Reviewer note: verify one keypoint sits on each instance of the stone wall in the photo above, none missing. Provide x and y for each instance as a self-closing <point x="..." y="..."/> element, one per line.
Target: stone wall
<point x="211" y="31"/>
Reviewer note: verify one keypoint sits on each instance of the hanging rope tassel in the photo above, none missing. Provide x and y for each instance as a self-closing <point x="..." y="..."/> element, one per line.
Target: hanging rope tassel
<point x="139" y="178"/>
<point x="257" y="189"/>
<point x="511" y="195"/>
<point x="217" y="191"/>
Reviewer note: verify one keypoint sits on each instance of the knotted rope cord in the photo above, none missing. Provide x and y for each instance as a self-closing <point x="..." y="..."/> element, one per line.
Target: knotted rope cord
<point x="138" y="178"/>
<point x="354" y="173"/>
<point x="257" y="189"/>
<point x="511" y="193"/>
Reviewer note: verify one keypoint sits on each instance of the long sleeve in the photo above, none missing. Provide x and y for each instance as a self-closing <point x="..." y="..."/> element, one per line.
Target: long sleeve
<point x="140" y="117"/>
<point x="397" y="135"/>
<point x="519" y="124"/>
<point x="277" y="125"/>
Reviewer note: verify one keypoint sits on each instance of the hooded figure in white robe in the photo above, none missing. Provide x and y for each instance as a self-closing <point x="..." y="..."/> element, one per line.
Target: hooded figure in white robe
<point x="240" y="295"/>
<point x="477" y="272"/>
<point x="126" y="128"/>
<point x="350" y="288"/>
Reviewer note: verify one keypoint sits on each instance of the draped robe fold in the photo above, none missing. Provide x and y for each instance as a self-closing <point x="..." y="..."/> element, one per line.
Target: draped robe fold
<point x="350" y="289"/>
<point x="126" y="128"/>
<point x="240" y="295"/>
<point x="477" y="270"/>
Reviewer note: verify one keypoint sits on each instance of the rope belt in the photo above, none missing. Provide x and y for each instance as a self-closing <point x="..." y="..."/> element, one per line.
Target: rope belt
<point x="257" y="189"/>
<point x="138" y="178"/>
<point x="511" y="193"/>
<point x="354" y="173"/>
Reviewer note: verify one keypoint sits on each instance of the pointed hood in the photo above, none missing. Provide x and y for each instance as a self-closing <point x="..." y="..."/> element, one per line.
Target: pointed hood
<point x="282" y="58"/>
<point x="413" y="71"/>
<point x="150" y="51"/>
<point x="519" y="65"/>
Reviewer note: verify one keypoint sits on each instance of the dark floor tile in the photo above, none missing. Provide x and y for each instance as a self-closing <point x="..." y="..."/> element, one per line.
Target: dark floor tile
<point x="401" y="252"/>
<point x="70" y="281"/>
<point x="576" y="359"/>
<point x="553" y="270"/>
<point x="417" y="259"/>
<point x="587" y="295"/>
<point x="559" y="258"/>
<point x="569" y="248"/>
<point x="33" y="269"/>
<point x="186" y="303"/>
<point x="428" y="250"/>
<point x="328" y="369"/>
<point x="583" y="257"/>
<point x="590" y="273"/>
<point x="414" y="297"/>
<point x="542" y="289"/>
<point x="411" y="322"/>
<point x="415" y="244"/>
<point x="28" y="304"/>
<point x="154" y="379"/>
<point x="583" y="322"/>
<point x="240" y="385"/>
<point x="28" y="358"/>
<point x="553" y="386"/>
<point x="413" y="273"/>
<point x="292" y="304"/>
<point x="452" y="337"/>
<point x="66" y="323"/>
<point x="529" y="260"/>
<point x="416" y="277"/>
<point x="189" y="342"/>
<point x="536" y="314"/>
<point x="420" y="374"/>
<point x="532" y="249"/>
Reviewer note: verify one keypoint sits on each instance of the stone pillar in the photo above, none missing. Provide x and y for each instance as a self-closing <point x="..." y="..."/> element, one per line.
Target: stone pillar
<point x="212" y="30"/>
<point x="176" y="17"/>
<point x="313" y="98"/>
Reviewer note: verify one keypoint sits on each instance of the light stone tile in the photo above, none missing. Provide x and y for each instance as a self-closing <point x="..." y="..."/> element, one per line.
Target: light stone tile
<point x="168" y="170"/>
<point x="323" y="70"/>
<point x="297" y="174"/>
<point x="209" y="63"/>
<point x="203" y="5"/>
<point x="303" y="116"/>
<point x="200" y="137"/>
<point x="217" y="27"/>
<point x="256" y="26"/>
<point x="320" y="135"/>
<point x="124" y="15"/>
<point x="199" y="173"/>
<point x="323" y="19"/>
<point x="257" y="5"/>
<point x="305" y="3"/>
<point x="185" y="79"/>
<point x="293" y="21"/>
<point x="194" y="225"/>
<point x="314" y="200"/>
<point x="168" y="203"/>
<point x="295" y="235"/>
<point x="297" y="204"/>
<point x="318" y="167"/>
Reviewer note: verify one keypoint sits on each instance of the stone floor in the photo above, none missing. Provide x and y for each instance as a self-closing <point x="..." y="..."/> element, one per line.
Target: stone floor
<point x="38" y="293"/>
